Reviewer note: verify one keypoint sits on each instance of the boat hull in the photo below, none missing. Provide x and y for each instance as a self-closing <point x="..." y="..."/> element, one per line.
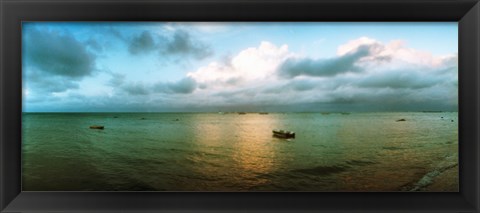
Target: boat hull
<point x="283" y="134"/>
<point x="97" y="127"/>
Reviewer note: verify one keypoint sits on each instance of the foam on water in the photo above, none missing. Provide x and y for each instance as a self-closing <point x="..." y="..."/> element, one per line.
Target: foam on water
<point x="449" y="162"/>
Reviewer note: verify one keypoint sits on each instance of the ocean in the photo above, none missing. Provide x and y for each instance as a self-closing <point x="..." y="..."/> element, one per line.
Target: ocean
<point x="233" y="152"/>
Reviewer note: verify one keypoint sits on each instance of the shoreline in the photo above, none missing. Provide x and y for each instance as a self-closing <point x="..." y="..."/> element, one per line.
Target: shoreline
<point x="447" y="181"/>
<point x="443" y="179"/>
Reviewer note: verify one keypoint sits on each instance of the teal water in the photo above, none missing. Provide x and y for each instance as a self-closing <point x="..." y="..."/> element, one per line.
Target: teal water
<point x="232" y="152"/>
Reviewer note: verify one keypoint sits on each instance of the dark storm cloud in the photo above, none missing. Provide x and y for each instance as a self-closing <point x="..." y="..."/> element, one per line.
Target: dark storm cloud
<point x="235" y="94"/>
<point x="57" y="54"/>
<point x="399" y="80"/>
<point x="135" y="89"/>
<point x="287" y="87"/>
<point x="324" y="67"/>
<point x="142" y="43"/>
<point x="55" y="61"/>
<point x="181" y="43"/>
<point x="390" y="100"/>
<point x="184" y="86"/>
<point x="357" y="95"/>
<point x="302" y="85"/>
<point x="130" y="88"/>
<point x="42" y="84"/>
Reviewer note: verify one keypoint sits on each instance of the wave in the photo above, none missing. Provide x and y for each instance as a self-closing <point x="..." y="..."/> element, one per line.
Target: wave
<point x="333" y="169"/>
<point x="430" y="177"/>
<point x="359" y="162"/>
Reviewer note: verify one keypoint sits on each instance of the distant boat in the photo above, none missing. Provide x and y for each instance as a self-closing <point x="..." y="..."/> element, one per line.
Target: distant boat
<point x="283" y="133"/>
<point x="96" y="127"/>
<point x="242" y="113"/>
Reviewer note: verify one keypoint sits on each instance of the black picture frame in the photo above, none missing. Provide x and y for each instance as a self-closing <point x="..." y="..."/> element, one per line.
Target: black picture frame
<point x="13" y="12"/>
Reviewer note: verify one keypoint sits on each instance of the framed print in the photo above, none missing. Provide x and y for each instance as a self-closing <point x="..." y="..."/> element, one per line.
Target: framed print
<point x="223" y="106"/>
<point x="258" y="106"/>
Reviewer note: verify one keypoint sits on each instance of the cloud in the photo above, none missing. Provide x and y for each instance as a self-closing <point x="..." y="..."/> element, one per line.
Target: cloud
<point x="251" y="65"/>
<point x="397" y="79"/>
<point x="363" y="54"/>
<point x="406" y="68"/>
<point x="297" y="85"/>
<point x="114" y="32"/>
<point x="364" y="75"/>
<point x="54" y="61"/>
<point x="180" y="43"/>
<point x="57" y="54"/>
<point x="39" y="84"/>
<point x="185" y="85"/>
<point x="136" y="88"/>
<point x="325" y="67"/>
<point x="142" y="43"/>
<point x="394" y="53"/>
<point x="116" y="80"/>
<point x="94" y="45"/>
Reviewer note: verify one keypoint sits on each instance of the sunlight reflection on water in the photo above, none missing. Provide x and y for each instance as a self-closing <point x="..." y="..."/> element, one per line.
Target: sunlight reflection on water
<point x="232" y="152"/>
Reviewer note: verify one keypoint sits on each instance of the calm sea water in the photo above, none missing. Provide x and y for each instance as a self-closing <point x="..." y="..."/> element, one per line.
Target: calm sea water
<point x="232" y="152"/>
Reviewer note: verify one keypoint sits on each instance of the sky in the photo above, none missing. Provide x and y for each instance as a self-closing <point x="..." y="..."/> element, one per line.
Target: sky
<point x="234" y="66"/>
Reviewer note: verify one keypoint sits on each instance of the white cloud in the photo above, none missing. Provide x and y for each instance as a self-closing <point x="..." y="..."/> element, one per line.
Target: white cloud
<point x="365" y="71"/>
<point x="390" y="73"/>
<point x="396" y="51"/>
<point x="354" y="44"/>
<point x="249" y="65"/>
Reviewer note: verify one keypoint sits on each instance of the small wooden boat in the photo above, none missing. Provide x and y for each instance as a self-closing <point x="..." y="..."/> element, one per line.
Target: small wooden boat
<point x="283" y="134"/>
<point x="96" y="127"/>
